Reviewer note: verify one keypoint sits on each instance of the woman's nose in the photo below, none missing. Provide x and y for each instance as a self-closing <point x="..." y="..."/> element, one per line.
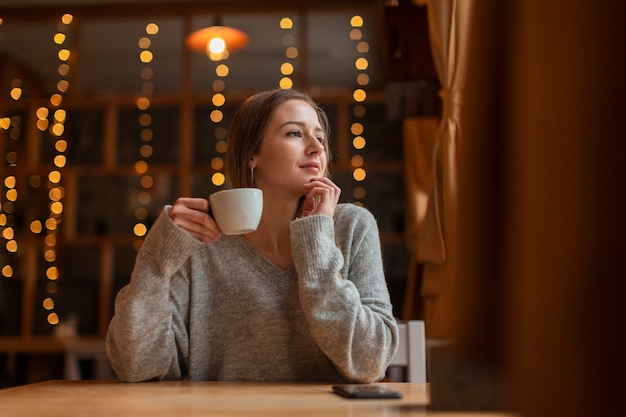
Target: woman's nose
<point x="314" y="145"/>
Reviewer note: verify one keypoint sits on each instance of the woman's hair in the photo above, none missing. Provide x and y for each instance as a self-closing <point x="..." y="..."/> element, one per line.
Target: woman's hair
<point x="248" y="128"/>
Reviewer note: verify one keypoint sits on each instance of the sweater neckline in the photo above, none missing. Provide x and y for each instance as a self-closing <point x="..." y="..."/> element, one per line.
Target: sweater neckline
<point x="253" y="255"/>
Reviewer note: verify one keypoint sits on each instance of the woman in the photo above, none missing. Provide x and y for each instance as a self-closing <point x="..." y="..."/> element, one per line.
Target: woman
<point x="302" y="298"/>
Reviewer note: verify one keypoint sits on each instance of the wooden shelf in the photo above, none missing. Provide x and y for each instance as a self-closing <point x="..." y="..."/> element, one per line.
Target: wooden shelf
<point x="49" y="345"/>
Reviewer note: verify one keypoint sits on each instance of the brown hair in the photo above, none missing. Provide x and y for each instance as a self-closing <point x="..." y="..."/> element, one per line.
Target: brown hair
<point x="248" y="128"/>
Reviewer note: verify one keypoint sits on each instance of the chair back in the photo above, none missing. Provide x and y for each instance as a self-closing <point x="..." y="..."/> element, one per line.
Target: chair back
<point x="411" y="353"/>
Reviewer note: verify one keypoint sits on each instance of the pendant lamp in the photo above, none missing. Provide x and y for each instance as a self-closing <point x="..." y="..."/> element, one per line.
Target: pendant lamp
<point x="217" y="41"/>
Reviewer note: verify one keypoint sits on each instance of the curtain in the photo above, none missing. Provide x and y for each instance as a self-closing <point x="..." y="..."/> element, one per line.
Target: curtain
<point x="449" y="22"/>
<point x="419" y="135"/>
<point x="539" y="290"/>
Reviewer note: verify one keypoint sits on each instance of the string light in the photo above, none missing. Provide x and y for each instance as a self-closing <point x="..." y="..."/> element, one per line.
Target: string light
<point x="52" y="119"/>
<point x="7" y="219"/>
<point x="359" y="95"/>
<point x="146" y="135"/>
<point x="217" y="118"/>
<point x="16" y="89"/>
<point x="291" y="53"/>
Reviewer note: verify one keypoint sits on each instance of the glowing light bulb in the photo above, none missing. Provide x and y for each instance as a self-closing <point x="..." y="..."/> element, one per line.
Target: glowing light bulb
<point x="217" y="46"/>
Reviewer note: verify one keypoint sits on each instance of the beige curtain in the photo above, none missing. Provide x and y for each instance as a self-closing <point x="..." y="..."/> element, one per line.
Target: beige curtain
<point x="419" y="136"/>
<point x="449" y="22"/>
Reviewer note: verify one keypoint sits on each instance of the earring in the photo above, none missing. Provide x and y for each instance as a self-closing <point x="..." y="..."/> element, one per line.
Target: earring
<point x="252" y="176"/>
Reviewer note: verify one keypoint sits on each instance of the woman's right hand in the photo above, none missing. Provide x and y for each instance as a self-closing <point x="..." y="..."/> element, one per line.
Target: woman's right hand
<point x="192" y="215"/>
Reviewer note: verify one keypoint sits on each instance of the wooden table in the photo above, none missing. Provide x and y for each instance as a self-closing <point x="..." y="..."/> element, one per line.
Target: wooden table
<point x="189" y="399"/>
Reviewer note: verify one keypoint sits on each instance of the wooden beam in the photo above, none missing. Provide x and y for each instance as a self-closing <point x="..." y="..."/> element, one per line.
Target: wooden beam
<point x="141" y="9"/>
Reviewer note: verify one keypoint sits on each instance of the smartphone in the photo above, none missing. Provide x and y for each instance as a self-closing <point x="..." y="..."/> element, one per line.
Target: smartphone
<point x="365" y="391"/>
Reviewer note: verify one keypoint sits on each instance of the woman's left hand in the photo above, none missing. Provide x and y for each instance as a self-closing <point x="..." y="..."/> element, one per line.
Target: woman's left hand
<point x="322" y="197"/>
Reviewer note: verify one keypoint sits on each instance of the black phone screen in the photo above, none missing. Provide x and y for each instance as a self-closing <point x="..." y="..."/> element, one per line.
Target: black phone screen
<point x="365" y="391"/>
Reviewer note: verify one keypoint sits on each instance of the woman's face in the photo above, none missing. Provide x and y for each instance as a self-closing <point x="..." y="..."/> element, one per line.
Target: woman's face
<point x="292" y="150"/>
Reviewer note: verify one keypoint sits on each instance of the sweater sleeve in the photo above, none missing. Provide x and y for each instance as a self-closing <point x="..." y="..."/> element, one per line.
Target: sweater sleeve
<point x="147" y="337"/>
<point x="343" y="292"/>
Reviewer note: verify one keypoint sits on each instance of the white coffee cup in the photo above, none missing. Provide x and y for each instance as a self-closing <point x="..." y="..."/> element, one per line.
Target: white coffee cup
<point x="237" y="211"/>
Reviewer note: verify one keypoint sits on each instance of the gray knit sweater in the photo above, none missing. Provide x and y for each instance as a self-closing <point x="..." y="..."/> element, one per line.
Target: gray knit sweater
<point x="221" y="311"/>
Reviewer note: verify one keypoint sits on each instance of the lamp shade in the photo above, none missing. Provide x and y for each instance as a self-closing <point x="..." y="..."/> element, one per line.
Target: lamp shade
<point x="217" y="41"/>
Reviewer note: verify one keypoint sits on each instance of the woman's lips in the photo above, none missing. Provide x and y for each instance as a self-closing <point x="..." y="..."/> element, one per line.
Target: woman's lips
<point x="313" y="167"/>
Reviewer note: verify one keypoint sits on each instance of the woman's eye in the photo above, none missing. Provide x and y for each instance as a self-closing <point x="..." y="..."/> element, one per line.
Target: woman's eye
<point x="294" y="133"/>
<point x="320" y="139"/>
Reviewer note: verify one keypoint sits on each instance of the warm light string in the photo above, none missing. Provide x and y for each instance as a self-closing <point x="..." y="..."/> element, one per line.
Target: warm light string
<point x="359" y="95"/>
<point x="217" y="118"/>
<point x="145" y="121"/>
<point x="10" y="125"/>
<point x="56" y="192"/>
<point x="291" y="53"/>
<point x="7" y="219"/>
